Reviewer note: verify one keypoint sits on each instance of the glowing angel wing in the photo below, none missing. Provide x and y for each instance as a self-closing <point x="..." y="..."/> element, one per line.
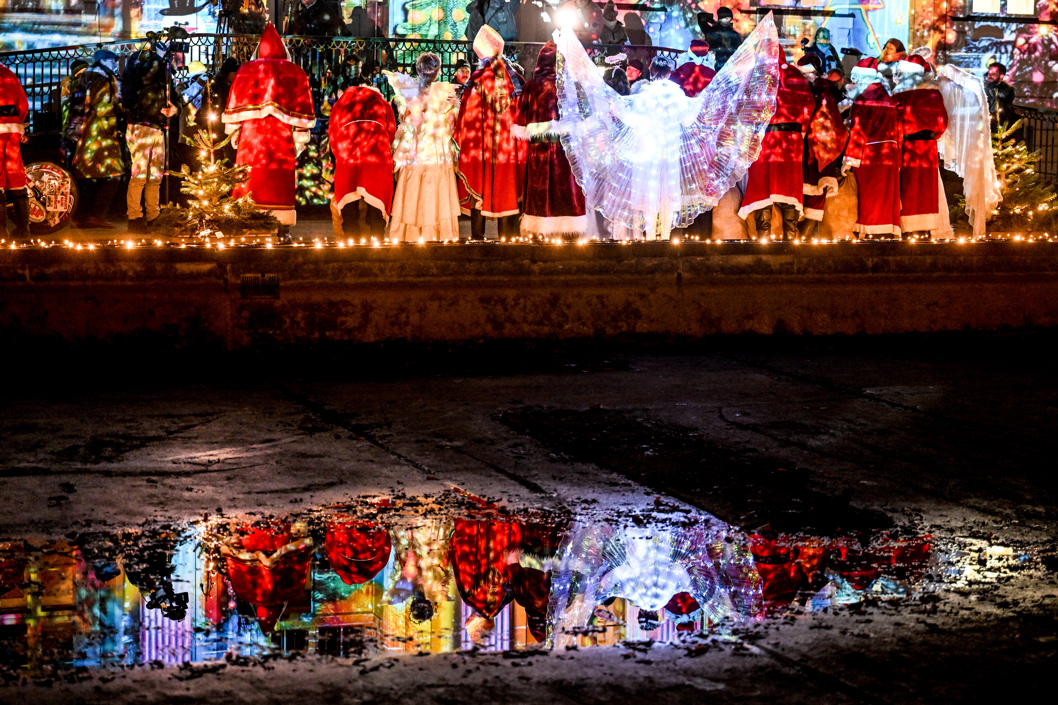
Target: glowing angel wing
<point x="966" y="146"/>
<point x="657" y="159"/>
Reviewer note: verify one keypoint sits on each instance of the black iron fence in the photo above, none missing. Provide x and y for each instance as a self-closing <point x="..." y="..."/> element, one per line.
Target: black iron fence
<point x="1041" y="135"/>
<point x="325" y="60"/>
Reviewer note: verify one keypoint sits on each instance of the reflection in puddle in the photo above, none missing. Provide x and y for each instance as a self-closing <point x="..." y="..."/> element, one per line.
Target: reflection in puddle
<point x="387" y="577"/>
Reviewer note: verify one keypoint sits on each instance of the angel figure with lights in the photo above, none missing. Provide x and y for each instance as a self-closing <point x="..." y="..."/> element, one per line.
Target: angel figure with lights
<point x="269" y="113"/>
<point x="655" y="160"/>
<point x="426" y="200"/>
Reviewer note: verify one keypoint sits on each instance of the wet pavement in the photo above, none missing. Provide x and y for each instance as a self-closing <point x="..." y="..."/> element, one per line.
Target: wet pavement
<point x="859" y="520"/>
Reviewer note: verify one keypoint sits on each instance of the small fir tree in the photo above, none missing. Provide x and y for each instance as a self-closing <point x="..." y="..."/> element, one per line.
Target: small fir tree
<point x="434" y="19"/>
<point x="1026" y="202"/>
<point x="210" y="209"/>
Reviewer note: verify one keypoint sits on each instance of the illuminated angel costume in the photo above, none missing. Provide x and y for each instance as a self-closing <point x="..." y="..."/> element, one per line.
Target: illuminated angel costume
<point x="966" y="146"/>
<point x="426" y="201"/>
<point x="655" y="160"/>
<point x="269" y="114"/>
<point x="649" y="567"/>
<point x="421" y="562"/>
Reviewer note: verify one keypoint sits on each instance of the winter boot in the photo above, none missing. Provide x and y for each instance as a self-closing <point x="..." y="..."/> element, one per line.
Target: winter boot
<point x="789" y="222"/>
<point x="762" y="219"/>
<point x="20" y="200"/>
<point x="477" y="225"/>
<point x="3" y="216"/>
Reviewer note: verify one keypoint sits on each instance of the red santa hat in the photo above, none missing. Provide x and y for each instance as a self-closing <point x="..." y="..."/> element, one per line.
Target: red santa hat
<point x="866" y="71"/>
<point x="488" y="43"/>
<point x="271" y="46"/>
<point x="917" y="61"/>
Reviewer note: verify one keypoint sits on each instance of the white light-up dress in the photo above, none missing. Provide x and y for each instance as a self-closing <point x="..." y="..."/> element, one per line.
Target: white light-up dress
<point x="655" y="160"/>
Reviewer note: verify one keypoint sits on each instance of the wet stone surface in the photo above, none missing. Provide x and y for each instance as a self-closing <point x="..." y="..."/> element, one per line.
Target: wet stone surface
<point x="850" y="521"/>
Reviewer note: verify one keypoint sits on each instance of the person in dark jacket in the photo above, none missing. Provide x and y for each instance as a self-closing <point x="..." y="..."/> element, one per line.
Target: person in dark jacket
<point x="95" y="109"/>
<point x="822" y="48"/>
<point x="147" y="95"/>
<point x="720" y="34"/>
<point x="613" y="32"/>
<point x="498" y="14"/>
<point x="1000" y="95"/>
<point x="318" y="18"/>
<point x="364" y="21"/>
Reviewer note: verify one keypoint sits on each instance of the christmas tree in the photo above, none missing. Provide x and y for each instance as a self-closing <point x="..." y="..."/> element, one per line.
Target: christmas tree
<point x="1026" y="203"/>
<point x="315" y="177"/>
<point x="210" y="209"/>
<point x="434" y="19"/>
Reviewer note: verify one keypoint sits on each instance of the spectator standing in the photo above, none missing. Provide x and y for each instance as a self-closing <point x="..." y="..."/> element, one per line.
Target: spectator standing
<point x="826" y="52"/>
<point x="1000" y="96"/>
<point x="720" y="34"/>
<point x="95" y="109"/>
<point x="587" y="19"/>
<point x="147" y="96"/>
<point x="637" y="33"/>
<point x="364" y="21"/>
<point x="14" y="107"/>
<point x="612" y="32"/>
<point x="498" y="14"/>
<point x="318" y="18"/>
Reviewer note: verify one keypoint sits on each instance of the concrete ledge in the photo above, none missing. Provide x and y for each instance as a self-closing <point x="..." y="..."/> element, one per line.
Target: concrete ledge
<point x="191" y="297"/>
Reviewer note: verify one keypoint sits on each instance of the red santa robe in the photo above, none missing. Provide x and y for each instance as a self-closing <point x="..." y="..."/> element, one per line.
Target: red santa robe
<point x="824" y="143"/>
<point x="776" y="176"/>
<point x="873" y="153"/>
<point x="361" y="131"/>
<point x="491" y="160"/>
<point x="553" y="202"/>
<point x="270" y="104"/>
<point x="481" y="551"/>
<point x="14" y="107"/>
<point x="693" y="73"/>
<point x="923" y="119"/>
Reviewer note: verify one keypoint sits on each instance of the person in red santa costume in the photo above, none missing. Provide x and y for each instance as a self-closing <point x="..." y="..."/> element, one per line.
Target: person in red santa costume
<point x="554" y="203"/>
<point x="824" y="143"/>
<point x="694" y="69"/>
<point x="491" y="161"/>
<point x="14" y="107"/>
<point x="361" y="132"/>
<point x="873" y="152"/>
<point x="776" y="175"/>
<point x="270" y="113"/>
<point x="923" y="119"/>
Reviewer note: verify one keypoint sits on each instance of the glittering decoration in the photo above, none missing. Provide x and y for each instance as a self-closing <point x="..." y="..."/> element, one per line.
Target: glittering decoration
<point x="433" y="19"/>
<point x="655" y="160"/>
<point x="315" y="176"/>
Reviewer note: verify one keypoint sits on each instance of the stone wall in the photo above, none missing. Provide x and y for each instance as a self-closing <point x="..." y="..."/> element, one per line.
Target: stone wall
<point x="193" y="297"/>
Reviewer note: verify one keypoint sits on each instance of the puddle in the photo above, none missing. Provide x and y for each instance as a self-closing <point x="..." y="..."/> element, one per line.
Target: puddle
<point x="409" y="575"/>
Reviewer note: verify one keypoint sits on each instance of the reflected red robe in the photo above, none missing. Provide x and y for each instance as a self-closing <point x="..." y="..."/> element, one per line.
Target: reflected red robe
<point x="270" y="103"/>
<point x="874" y="154"/>
<point x="479" y="551"/>
<point x="361" y="131"/>
<point x="357" y="550"/>
<point x="553" y="202"/>
<point x="268" y="569"/>
<point x="923" y="119"/>
<point x="776" y="176"/>
<point x="490" y="159"/>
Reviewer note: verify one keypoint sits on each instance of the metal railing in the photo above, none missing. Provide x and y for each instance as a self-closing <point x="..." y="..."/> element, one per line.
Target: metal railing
<point x="323" y="59"/>
<point x="1041" y="135"/>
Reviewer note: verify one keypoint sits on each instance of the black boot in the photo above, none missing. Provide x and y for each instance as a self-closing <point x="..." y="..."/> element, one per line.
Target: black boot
<point x="762" y="218"/>
<point x="374" y="221"/>
<point x="20" y="200"/>
<point x="809" y="229"/>
<point x="3" y="216"/>
<point x="477" y="225"/>
<point x="509" y="227"/>
<point x="351" y="220"/>
<point x="789" y="222"/>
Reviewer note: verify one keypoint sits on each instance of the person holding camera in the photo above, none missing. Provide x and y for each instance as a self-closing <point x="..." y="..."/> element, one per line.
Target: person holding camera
<point x="147" y="92"/>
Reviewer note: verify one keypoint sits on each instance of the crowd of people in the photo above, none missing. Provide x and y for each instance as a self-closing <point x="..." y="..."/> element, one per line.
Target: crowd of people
<point x="495" y="144"/>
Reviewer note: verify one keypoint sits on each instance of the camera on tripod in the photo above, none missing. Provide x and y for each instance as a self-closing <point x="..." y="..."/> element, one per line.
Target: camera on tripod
<point x="174" y="39"/>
